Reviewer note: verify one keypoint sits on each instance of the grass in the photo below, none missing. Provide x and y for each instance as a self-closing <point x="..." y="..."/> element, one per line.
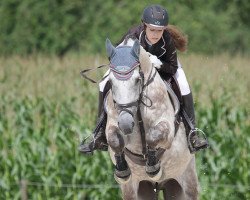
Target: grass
<point x="46" y="108"/>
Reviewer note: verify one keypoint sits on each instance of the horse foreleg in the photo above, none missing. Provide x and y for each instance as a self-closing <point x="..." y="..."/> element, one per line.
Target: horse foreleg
<point x="159" y="135"/>
<point x="116" y="142"/>
<point x="154" y="137"/>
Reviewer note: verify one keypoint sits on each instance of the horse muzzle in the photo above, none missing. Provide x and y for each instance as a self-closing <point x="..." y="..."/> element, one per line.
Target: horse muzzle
<point x="126" y="122"/>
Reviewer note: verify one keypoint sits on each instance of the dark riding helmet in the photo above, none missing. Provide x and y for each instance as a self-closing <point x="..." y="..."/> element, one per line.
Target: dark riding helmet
<point x="155" y="15"/>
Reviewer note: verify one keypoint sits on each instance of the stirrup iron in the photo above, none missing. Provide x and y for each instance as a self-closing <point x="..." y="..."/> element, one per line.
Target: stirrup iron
<point x="190" y="146"/>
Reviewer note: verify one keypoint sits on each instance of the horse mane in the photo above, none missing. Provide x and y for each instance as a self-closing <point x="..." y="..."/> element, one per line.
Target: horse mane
<point x="145" y="62"/>
<point x="180" y="39"/>
<point x="129" y="36"/>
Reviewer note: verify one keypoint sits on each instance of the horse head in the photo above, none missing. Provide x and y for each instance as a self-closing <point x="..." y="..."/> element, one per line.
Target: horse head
<point x="126" y="81"/>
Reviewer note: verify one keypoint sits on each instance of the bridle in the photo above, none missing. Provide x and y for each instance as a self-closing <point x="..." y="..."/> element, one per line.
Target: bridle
<point x="136" y="103"/>
<point x="125" y="107"/>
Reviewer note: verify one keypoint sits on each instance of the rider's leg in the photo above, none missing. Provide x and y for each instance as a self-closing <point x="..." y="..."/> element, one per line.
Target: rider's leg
<point x="99" y="140"/>
<point x="197" y="141"/>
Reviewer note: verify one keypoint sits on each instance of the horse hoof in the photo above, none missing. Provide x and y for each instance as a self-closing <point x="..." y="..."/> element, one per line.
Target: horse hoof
<point x="154" y="172"/>
<point x="156" y="177"/>
<point x="123" y="174"/>
<point x="122" y="180"/>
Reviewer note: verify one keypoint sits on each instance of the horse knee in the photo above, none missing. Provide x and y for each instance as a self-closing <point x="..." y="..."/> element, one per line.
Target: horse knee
<point x="157" y="134"/>
<point x="115" y="139"/>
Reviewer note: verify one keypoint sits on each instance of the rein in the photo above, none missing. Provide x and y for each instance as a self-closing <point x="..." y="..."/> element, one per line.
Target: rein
<point x="149" y="81"/>
<point x="83" y="72"/>
<point x="140" y="120"/>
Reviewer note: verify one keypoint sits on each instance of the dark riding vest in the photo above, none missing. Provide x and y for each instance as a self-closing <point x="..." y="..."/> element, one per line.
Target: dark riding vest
<point x="164" y="49"/>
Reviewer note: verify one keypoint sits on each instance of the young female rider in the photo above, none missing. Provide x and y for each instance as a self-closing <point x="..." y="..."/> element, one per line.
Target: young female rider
<point x="159" y="39"/>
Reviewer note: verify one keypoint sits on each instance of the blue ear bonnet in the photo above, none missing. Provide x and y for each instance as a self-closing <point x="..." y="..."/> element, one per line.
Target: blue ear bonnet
<point x="123" y="62"/>
<point x="123" y="56"/>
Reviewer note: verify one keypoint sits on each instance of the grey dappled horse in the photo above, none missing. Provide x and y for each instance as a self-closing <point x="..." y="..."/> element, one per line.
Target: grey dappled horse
<point x="148" y="156"/>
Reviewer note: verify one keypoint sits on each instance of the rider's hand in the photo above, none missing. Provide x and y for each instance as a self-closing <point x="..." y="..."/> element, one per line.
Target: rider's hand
<point x="155" y="61"/>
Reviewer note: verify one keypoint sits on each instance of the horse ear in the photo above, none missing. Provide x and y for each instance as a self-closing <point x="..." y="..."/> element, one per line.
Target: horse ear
<point x="110" y="48"/>
<point x="136" y="49"/>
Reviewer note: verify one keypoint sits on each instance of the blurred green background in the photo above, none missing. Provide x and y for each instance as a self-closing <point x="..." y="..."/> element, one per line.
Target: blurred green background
<point x="59" y="26"/>
<point x="46" y="108"/>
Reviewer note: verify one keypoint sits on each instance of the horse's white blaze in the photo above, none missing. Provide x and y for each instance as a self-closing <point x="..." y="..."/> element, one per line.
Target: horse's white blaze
<point x="126" y="91"/>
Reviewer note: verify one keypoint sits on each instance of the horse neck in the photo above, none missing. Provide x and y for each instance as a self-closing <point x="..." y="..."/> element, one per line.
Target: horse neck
<point x="157" y="88"/>
<point x="146" y="65"/>
<point x="157" y="92"/>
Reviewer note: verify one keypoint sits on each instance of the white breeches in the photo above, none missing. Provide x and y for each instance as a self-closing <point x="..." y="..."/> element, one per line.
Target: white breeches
<point x="182" y="80"/>
<point x="104" y="81"/>
<point x="179" y="75"/>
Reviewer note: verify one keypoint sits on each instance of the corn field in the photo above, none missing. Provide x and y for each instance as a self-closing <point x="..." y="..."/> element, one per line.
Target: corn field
<point x="46" y="109"/>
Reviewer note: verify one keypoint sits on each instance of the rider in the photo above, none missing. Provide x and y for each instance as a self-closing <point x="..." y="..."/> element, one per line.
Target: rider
<point x="159" y="39"/>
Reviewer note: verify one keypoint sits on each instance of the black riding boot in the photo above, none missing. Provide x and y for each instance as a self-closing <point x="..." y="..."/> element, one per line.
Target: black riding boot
<point x="196" y="141"/>
<point x="99" y="139"/>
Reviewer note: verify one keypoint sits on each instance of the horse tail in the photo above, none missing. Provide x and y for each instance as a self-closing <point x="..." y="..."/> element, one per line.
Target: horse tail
<point x="180" y="39"/>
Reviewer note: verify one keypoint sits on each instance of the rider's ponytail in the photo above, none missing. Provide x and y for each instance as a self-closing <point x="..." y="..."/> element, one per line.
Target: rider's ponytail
<point x="180" y="39"/>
